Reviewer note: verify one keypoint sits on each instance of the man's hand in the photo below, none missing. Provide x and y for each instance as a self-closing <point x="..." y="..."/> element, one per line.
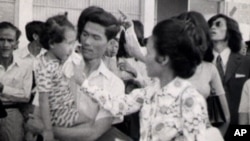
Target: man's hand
<point x="79" y="77"/>
<point x="34" y="124"/>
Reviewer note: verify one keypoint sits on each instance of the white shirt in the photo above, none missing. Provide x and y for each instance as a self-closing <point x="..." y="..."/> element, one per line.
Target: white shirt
<point x="224" y="57"/>
<point x="24" y="53"/>
<point x="17" y="81"/>
<point x="104" y="79"/>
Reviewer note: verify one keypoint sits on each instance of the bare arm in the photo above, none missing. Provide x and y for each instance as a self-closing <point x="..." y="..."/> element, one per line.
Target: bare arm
<point x="216" y="84"/>
<point x="88" y="132"/>
<point x="45" y="116"/>
<point x="225" y="108"/>
<point x="243" y="118"/>
<point x="244" y="105"/>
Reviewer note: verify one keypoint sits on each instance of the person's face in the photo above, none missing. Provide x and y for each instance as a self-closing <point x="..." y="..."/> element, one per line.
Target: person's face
<point x="153" y="67"/>
<point x="93" y="41"/>
<point x="219" y="29"/>
<point x="113" y="46"/>
<point x="8" y="42"/>
<point x="64" y="49"/>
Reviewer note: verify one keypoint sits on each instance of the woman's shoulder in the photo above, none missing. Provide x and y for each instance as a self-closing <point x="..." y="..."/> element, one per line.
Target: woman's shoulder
<point x="207" y="66"/>
<point x="190" y="93"/>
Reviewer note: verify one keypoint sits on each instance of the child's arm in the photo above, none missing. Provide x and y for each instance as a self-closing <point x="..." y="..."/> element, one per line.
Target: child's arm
<point x="45" y="116"/>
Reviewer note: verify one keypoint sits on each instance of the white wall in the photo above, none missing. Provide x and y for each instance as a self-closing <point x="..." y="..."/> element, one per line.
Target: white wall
<point x="25" y="14"/>
<point x="148" y="16"/>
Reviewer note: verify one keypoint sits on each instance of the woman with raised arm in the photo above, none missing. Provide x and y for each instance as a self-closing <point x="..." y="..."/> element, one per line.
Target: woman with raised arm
<point x="172" y="109"/>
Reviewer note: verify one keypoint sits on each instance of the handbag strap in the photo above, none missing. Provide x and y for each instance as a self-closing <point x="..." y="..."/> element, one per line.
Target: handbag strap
<point x="212" y="90"/>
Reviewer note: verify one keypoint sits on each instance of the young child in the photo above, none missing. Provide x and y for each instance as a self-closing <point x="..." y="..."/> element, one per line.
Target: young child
<point x="56" y="100"/>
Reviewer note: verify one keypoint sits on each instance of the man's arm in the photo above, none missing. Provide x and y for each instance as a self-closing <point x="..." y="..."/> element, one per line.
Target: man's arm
<point x="88" y="132"/>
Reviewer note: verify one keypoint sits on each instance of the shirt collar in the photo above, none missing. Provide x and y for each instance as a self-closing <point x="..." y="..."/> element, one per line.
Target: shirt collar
<point x="16" y="62"/>
<point x="175" y="87"/>
<point x="25" y="52"/>
<point x="224" y="55"/>
<point x="103" y="70"/>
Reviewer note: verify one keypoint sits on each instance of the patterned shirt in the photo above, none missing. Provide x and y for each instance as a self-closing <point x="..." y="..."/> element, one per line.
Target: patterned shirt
<point x="24" y="54"/>
<point x="50" y="79"/>
<point x="176" y="112"/>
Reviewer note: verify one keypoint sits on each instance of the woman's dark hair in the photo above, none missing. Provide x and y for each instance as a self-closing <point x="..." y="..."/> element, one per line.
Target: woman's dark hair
<point x="233" y="35"/>
<point x="205" y="42"/>
<point x="172" y="39"/>
<point x="139" y="31"/>
<point x="54" y="30"/>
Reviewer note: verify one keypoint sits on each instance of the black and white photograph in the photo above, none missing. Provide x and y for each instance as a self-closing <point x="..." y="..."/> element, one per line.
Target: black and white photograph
<point x="124" y="70"/>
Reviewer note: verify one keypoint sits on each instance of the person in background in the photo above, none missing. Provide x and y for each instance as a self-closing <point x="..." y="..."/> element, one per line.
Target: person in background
<point x="13" y="91"/>
<point x="206" y="78"/>
<point x="169" y="108"/>
<point x="132" y="71"/>
<point x="34" y="49"/>
<point x="233" y="67"/>
<point x="109" y="57"/>
<point x="30" y="54"/>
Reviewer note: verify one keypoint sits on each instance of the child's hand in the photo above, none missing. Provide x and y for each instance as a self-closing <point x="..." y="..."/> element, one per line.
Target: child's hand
<point x="79" y="76"/>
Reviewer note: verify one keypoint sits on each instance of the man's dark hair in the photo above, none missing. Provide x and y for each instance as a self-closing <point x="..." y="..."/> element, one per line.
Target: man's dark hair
<point x="233" y="35"/>
<point x="82" y="19"/>
<point x="8" y="25"/>
<point x="34" y="27"/>
<point x="103" y="18"/>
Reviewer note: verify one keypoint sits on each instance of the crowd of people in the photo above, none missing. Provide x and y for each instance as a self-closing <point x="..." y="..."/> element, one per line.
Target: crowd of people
<point x="104" y="81"/>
